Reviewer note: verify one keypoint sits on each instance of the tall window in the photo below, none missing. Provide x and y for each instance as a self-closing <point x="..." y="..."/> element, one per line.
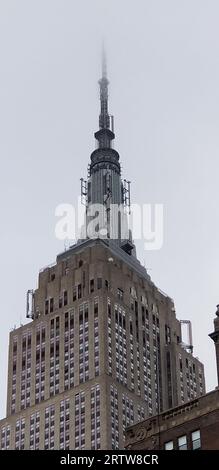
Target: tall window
<point x="26" y="370"/>
<point x="138" y="368"/>
<point x="114" y="417"/>
<point x="65" y="298"/>
<point x="131" y="355"/>
<point x="109" y="337"/>
<point x="96" y="339"/>
<point x="40" y="363"/>
<point x="95" y="417"/>
<point x="91" y="285"/>
<point x="196" y="440"/>
<point x="35" y="431"/>
<point x="5" y="437"/>
<point x="49" y="427"/>
<point x="69" y="350"/>
<point x="20" y="434"/>
<point x="182" y="443"/>
<point x="14" y="374"/>
<point x="49" y="306"/>
<point x="80" y="421"/>
<point x="137" y="347"/>
<point x="64" y="424"/>
<point x="121" y="347"/>
<point x="169" y="380"/>
<point x="157" y="362"/>
<point x="127" y="412"/>
<point x="83" y="343"/>
<point x="146" y="355"/>
<point x="54" y="356"/>
<point x="74" y="293"/>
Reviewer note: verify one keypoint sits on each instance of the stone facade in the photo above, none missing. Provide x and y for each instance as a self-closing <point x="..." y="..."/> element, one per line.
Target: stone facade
<point x="102" y="351"/>
<point x="194" y="425"/>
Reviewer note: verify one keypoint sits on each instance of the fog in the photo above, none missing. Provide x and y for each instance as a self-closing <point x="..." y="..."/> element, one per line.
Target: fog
<point x="163" y="67"/>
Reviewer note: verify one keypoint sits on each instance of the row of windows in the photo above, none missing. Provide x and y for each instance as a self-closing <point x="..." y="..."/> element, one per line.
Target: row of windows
<point x="64" y="425"/>
<point x="94" y="284"/>
<point x="77" y="293"/>
<point x="183" y="442"/>
<point x="54" y="376"/>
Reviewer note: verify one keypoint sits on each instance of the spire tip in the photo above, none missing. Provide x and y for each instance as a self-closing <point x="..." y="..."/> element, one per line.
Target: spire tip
<point x="104" y="67"/>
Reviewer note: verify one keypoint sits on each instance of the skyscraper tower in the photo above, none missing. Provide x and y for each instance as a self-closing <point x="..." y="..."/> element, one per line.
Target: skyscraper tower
<point x="103" y="348"/>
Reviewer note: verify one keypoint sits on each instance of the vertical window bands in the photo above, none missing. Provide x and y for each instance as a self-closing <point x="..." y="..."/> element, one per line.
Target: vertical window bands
<point x="40" y="363"/>
<point x="95" y="417"/>
<point x="83" y="343"/>
<point x="69" y="350"/>
<point x="49" y="437"/>
<point x="54" y="356"/>
<point x="80" y="421"/>
<point x="64" y="427"/>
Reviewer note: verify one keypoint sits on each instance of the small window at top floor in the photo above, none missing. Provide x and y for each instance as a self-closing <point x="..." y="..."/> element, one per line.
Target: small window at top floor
<point x="168" y="445"/>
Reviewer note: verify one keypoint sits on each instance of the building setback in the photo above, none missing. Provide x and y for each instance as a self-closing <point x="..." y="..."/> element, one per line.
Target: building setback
<point x="103" y="349"/>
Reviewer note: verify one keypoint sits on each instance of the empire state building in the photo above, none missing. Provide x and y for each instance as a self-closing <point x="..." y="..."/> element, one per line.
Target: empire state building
<point x="102" y="348"/>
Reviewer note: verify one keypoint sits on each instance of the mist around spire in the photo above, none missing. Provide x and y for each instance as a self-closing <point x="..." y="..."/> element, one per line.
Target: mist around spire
<point x="104" y="62"/>
<point x="104" y="119"/>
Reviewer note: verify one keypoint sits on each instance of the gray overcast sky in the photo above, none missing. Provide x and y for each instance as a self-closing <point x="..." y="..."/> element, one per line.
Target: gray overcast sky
<point x="163" y="65"/>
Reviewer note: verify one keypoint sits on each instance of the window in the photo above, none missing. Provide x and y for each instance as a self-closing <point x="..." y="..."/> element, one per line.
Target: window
<point x="196" y="440"/>
<point x="46" y="307"/>
<point x="51" y="305"/>
<point x="79" y="291"/>
<point x="91" y="285"/>
<point x="168" y="445"/>
<point x="167" y="334"/>
<point x="74" y="293"/>
<point x="99" y="283"/>
<point x="65" y="297"/>
<point x="182" y="443"/>
<point x="120" y="294"/>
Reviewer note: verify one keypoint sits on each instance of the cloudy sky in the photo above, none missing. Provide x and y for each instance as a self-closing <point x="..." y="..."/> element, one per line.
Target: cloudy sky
<point x="163" y="65"/>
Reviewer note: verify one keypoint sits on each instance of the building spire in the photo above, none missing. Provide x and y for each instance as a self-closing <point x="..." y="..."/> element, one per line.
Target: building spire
<point x="104" y="64"/>
<point x="104" y="119"/>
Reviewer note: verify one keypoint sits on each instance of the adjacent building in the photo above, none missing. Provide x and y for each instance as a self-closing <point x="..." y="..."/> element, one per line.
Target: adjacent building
<point x="103" y="348"/>
<point x="192" y="426"/>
